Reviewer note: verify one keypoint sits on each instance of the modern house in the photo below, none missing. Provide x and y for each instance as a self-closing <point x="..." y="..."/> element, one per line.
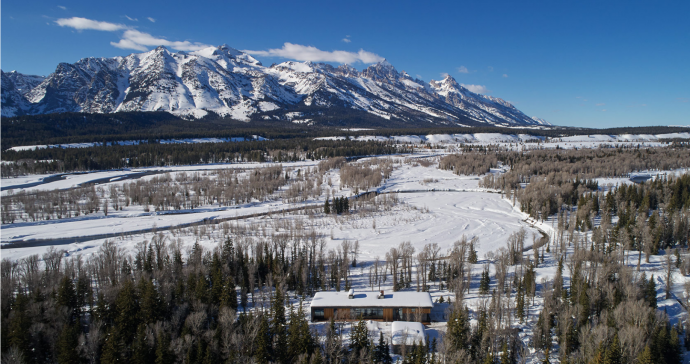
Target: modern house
<point x="376" y="306"/>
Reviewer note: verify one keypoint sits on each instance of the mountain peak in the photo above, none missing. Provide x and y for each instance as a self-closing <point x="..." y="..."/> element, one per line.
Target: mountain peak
<point x="450" y="80"/>
<point x="232" y="83"/>
<point x="381" y="71"/>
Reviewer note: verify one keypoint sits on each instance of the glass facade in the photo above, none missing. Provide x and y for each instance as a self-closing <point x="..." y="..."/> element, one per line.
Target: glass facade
<point x="367" y="313"/>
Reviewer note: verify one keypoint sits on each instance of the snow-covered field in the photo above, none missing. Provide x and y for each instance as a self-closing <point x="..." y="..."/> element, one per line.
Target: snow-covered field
<point x="451" y="207"/>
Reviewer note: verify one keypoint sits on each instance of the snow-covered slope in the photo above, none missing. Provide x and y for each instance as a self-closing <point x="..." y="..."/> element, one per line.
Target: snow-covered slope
<point x="233" y="84"/>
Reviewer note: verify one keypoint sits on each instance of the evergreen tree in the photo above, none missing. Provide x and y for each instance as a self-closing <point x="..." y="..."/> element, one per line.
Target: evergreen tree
<point x="163" y="354"/>
<point x="300" y="338"/>
<point x="359" y="337"/>
<point x="645" y="356"/>
<point x="326" y="207"/>
<point x="458" y="331"/>
<point x="484" y="282"/>
<point x="263" y="342"/>
<point x="126" y="311"/>
<point x="650" y="292"/>
<point x="67" y="296"/>
<point x="613" y="352"/>
<point x="472" y="258"/>
<point x="520" y="305"/>
<point x="142" y="353"/>
<point x="150" y="304"/>
<point x="382" y="351"/>
<point x="278" y="325"/>
<point x="19" y="324"/>
<point x="505" y="355"/>
<point x="67" y="344"/>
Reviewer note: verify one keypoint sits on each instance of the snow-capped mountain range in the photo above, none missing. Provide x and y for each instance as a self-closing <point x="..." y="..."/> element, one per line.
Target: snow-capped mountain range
<point x="233" y="84"/>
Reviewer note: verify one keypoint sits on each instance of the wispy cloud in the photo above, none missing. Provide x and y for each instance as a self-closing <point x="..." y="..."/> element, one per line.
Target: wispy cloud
<point x="131" y="19"/>
<point x="683" y="99"/>
<point x="309" y="53"/>
<point x="347" y="39"/>
<point x="134" y="39"/>
<point x="62" y="7"/>
<point x="491" y="69"/>
<point x="131" y="38"/>
<point x="477" y="89"/>
<point x="444" y="75"/>
<point x="84" y="24"/>
<point x="505" y="75"/>
<point x="463" y="69"/>
<point x="603" y="109"/>
<point x="601" y="104"/>
<point x="152" y="20"/>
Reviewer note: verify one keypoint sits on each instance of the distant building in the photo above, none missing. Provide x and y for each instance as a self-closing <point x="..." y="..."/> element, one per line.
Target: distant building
<point x="407" y="334"/>
<point x="640" y="178"/>
<point x="377" y="306"/>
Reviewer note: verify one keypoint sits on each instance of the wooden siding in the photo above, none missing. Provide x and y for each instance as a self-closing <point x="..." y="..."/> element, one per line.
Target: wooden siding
<point x="343" y="314"/>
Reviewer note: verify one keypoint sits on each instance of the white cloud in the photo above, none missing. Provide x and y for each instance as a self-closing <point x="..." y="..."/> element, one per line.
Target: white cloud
<point x="601" y="104"/>
<point x="491" y="69"/>
<point x="444" y="75"/>
<point x="505" y="75"/>
<point x="463" y="69"/>
<point x="152" y="20"/>
<point x="83" y="24"/>
<point x="346" y="40"/>
<point x="603" y="110"/>
<point x="131" y="19"/>
<point x="134" y="39"/>
<point x="62" y="7"/>
<point x="308" y="53"/>
<point x="477" y="89"/>
<point x="131" y="38"/>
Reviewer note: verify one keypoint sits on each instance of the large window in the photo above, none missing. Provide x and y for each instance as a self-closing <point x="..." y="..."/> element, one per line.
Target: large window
<point x="367" y="313"/>
<point x="318" y="314"/>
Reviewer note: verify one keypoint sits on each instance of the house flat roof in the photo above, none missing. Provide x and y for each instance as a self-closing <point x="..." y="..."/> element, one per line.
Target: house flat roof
<point x="408" y="333"/>
<point x="369" y="299"/>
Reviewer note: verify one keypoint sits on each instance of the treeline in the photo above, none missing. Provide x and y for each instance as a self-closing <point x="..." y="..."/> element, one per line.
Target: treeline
<point x="52" y="160"/>
<point x="223" y="187"/>
<point x="187" y="191"/>
<point x="81" y="127"/>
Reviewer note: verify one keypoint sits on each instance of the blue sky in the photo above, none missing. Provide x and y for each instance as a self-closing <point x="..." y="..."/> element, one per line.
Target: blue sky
<point x="586" y="63"/>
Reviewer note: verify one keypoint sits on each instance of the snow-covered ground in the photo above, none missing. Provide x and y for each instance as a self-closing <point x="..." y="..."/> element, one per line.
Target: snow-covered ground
<point x="442" y="208"/>
<point x="434" y="206"/>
